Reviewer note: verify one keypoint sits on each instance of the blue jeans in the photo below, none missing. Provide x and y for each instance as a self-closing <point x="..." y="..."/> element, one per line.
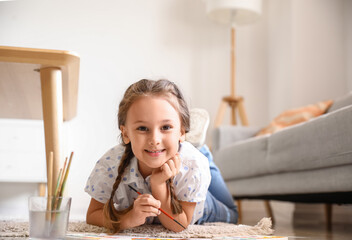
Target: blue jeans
<point x="219" y="205"/>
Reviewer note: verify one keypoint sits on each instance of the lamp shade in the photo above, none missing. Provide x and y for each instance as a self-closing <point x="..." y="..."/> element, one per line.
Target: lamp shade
<point x="234" y="12"/>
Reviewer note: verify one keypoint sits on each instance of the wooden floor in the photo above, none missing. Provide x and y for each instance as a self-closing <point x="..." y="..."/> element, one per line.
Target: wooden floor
<point x="305" y="223"/>
<point x="314" y="231"/>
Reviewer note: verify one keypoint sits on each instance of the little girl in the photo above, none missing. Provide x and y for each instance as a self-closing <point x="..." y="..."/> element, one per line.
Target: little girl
<point x="155" y="159"/>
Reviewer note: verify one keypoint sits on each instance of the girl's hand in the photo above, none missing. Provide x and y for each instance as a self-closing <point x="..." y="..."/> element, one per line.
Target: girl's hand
<point x="168" y="170"/>
<point x="144" y="206"/>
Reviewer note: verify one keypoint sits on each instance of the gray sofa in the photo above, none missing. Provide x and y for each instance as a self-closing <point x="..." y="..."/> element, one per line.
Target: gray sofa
<point x="308" y="162"/>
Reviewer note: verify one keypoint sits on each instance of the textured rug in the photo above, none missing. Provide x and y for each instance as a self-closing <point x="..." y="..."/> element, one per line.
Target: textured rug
<point x="208" y="230"/>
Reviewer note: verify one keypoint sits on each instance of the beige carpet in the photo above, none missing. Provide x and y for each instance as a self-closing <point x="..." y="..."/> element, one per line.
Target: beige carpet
<point x="208" y="230"/>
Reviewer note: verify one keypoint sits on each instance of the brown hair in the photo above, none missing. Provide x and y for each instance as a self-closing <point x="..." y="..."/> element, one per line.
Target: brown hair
<point x="145" y="87"/>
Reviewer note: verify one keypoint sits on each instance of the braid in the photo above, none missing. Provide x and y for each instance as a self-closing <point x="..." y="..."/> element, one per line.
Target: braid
<point x="176" y="206"/>
<point x="111" y="215"/>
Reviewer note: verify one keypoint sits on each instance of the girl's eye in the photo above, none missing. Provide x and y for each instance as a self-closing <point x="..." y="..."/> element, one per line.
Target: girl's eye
<point x="142" y="128"/>
<point x="166" y="127"/>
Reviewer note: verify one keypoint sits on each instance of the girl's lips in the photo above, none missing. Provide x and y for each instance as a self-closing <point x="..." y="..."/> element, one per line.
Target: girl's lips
<point x="154" y="153"/>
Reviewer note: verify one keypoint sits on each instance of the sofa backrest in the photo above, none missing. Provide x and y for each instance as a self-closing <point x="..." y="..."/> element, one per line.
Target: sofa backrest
<point x="341" y="102"/>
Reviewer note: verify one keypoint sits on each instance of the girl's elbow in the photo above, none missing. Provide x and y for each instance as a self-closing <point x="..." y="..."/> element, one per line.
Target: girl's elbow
<point x="92" y="219"/>
<point x="88" y="219"/>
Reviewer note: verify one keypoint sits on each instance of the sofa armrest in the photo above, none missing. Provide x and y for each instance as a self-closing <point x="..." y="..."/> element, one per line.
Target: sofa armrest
<point x="341" y="102"/>
<point x="225" y="135"/>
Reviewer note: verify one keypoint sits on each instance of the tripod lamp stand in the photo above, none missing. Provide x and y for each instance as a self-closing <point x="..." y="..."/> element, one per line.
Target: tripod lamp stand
<point x="234" y="13"/>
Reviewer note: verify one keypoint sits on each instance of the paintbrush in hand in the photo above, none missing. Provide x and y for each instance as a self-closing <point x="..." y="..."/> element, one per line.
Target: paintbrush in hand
<point x="161" y="210"/>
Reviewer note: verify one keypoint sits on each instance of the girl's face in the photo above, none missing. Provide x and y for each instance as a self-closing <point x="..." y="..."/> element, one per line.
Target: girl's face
<point x="154" y="129"/>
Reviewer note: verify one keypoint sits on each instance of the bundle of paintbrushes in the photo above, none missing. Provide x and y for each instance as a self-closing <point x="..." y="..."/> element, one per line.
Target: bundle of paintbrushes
<point x="54" y="198"/>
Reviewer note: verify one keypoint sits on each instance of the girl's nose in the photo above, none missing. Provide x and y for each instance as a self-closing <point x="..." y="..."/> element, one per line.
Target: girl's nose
<point x="155" y="138"/>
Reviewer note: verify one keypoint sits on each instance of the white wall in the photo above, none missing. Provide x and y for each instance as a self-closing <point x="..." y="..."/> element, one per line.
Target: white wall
<point x="279" y="56"/>
<point x="347" y="8"/>
<point x="122" y="41"/>
<point x="308" y="52"/>
<point x="318" y="51"/>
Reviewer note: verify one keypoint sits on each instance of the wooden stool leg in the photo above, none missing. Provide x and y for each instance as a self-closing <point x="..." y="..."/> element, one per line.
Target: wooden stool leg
<point x="239" y="210"/>
<point x="51" y="86"/>
<point x="328" y="216"/>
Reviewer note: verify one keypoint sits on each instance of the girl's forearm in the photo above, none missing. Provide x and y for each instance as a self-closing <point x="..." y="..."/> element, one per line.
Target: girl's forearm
<point x="96" y="218"/>
<point x="162" y="193"/>
<point x="127" y="221"/>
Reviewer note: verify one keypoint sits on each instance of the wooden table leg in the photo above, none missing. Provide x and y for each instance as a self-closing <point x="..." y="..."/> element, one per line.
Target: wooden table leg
<point x="51" y="87"/>
<point x="41" y="189"/>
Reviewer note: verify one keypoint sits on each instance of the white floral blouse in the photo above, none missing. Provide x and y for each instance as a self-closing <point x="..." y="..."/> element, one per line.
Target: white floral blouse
<point x="191" y="183"/>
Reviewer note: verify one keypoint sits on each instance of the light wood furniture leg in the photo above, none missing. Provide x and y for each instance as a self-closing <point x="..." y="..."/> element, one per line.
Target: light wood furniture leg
<point x="328" y="216"/>
<point x="269" y="211"/>
<point x="220" y="115"/>
<point x="233" y="101"/>
<point x="51" y="87"/>
<point x="233" y="113"/>
<point x="41" y="189"/>
<point x="242" y="113"/>
<point x="239" y="210"/>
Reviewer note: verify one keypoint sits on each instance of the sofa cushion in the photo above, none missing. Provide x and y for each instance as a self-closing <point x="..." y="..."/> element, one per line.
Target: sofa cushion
<point x="243" y="159"/>
<point x="295" y="116"/>
<point x="199" y="122"/>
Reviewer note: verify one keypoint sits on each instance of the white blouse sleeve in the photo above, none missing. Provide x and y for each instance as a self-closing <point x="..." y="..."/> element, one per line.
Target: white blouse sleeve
<point x="192" y="182"/>
<point x="100" y="182"/>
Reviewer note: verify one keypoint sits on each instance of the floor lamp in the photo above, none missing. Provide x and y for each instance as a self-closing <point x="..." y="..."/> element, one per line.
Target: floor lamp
<point x="235" y="13"/>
